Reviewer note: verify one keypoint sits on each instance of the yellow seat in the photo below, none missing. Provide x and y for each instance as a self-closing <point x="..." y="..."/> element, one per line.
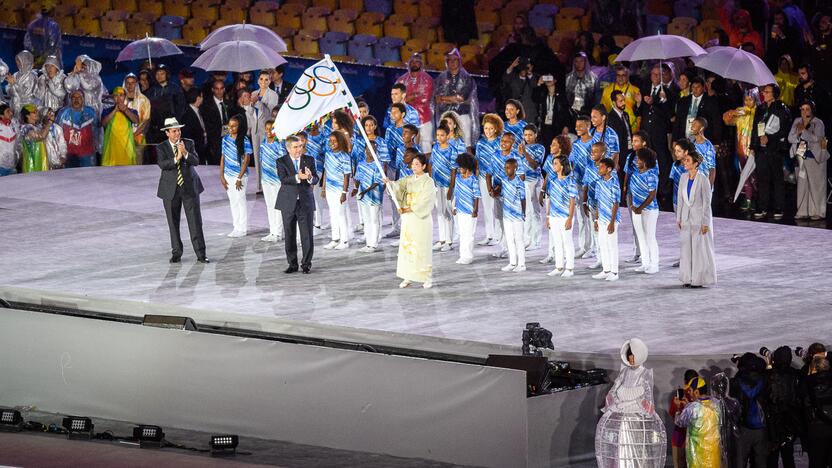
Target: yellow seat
<point x="178" y="8"/>
<point x="306" y="41"/>
<point x="232" y="13"/>
<point x="140" y="24"/>
<point x="395" y="64"/>
<point x="622" y="41"/>
<point x="67" y="22"/>
<point x="406" y="7"/>
<point x="567" y="23"/>
<point x="194" y="33"/>
<point x="681" y="28"/>
<point x="429" y="8"/>
<point x="263" y="16"/>
<point x="370" y="23"/>
<point x="315" y="18"/>
<point x="487" y="15"/>
<point x="331" y="4"/>
<point x="205" y="9"/>
<point x="289" y="15"/>
<point x="15" y="19"/>
<point x="511" y="10"/>
<point x="305" y="3"/>
<point x="88" y="20"/>
<point x="357" y="5"/>
<point x="436" y="54"/>
<point x="113" y="28"/>
<point x="342" y="20"/>
<point x="398" y="26"/>
<point x="285" y="33"/>
<point x="411" y="47"/>
<point x="427" y="28"/>
<point x="152" y="6"/>
<point x="706" y="31"/>
<point x="78" y="4"/>
<point x="573" y="12"/>
<point x="471" y="56"/>
<point x="241" y="4"/>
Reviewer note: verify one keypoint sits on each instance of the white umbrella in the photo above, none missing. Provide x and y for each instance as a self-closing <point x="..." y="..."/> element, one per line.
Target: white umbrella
<point x="238" y="56"/>
<point x="747" y="170"/>
<point x="244" y="32"/>
<point x="659" y="47"/>
<point x="735" y="64"/>
<point x="148" y="49"/>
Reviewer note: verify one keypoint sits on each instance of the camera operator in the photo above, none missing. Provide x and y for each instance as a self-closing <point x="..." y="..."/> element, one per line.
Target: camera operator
<point x="809" y="353"/>
<point x="816" y="389"/>
<point x="783" y="417"/>
<point x="749" y="387"/>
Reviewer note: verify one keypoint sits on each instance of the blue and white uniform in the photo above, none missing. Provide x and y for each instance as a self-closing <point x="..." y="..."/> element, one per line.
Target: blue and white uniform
<point x="443" y="162"/>
<point x="269" y="154"/>
<point x="609" y="137"/>
<point x="644" y="223"/>
<point x="607" y="194"/>
<point x="561" y="193"/>
<point x="232" y="170"/>
<point x="411" y="116"/>
<point x="515" y="129"/>
<point x="532" y="227"/>
<point x="708" y="152"/>
<point x="513" y="194"/>
<point x="466" y="191"/>
<point x="485" y="152"/>
<point x="369" y="206"/>
<point x="676" y="171"/>
<point x="335" y="166"/>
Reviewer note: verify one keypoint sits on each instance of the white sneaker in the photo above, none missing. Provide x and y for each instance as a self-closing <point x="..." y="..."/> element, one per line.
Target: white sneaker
<point x="547" y="260"/>
<point x="508" y="267"/>
<point x="427" y="284"/>
<point x="595" y="265"/>
<point x="639" y="269"/>
<point x="651" y="271"/>
<point x="580" y="253"/>
<point x="437" y="246"/>
<point x="519" y="269"/>
<point x="484" y="242"/>
<point x="612" y="277"/>
<point x="237" y="234"/>
<point x="634" y="259"/>
<point x="555" y="272"/>
<point x="675" y="264"/>
<point x="269" y="238"/>
<point x="493" y="241"/>
<point x="405" y="284"/>
<point x="393" y="233"/>
<point x="567" y="274"/>
<point x="342" y="246"/>
<point x="331" y="245"/>
<point x="365" y="249"/>
<point x="602" y="275"/>
<point x="500" y="254"/>
<point x="587" y="254"/>
<point x="394" y="244"/>
<point x="465" y="261"/>
<point x="446" y="248"/>
<point x="358" y="228"/>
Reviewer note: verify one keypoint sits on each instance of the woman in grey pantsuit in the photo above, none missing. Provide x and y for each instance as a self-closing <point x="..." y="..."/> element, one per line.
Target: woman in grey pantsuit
<point x="693" y="216"/>
<point x="806" y="138"/>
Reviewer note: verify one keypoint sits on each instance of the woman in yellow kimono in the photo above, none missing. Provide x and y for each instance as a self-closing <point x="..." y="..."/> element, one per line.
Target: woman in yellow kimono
<point x="119" y="146"/>
<point x="415" y="195"/>
<point x="33" y="145"/>
<point x="701" y="418"/>
<point x="743" y="119"/>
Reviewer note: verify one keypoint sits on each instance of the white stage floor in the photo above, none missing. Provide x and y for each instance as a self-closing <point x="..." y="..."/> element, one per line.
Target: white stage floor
<point x="101" y="232"/>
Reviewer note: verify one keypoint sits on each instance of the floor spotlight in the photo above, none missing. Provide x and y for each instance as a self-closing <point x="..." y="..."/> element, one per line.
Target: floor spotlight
<point x="10" y="420"/>
<point x="149" y="436"/>
<point x="224" y="445"/>
<point x="78" y="427"/>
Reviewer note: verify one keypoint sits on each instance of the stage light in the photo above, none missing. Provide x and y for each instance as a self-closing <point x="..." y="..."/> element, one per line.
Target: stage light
<point x="224" y="445"/>
<point x="10" y="420"/>
<point x="78" y="427"/>
<point x="149" y="436"/>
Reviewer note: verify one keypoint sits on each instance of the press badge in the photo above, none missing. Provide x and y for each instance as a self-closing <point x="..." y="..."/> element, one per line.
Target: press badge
<point x="801" y="149"/>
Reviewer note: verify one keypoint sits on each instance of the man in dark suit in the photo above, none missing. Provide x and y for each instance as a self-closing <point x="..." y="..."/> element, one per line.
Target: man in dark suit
<point x="295" y="201"/>
<point x="194" y="128"/>
<point x="215" y="115"/>
<point x="698" y="104"/>
<point x="179" y="185"/>
<point x="281" y="86"/>
<point x="619" y="122"/>
<point x="655" y="107"/>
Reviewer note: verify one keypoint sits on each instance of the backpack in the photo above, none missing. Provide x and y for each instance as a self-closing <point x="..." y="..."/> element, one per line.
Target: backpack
<point x="752" y="415"/>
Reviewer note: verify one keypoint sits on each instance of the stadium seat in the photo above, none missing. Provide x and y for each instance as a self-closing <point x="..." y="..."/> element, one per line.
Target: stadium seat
<point x="357" y="5"/>
<point x="262" y="13"/>
<point x="205" y="9"/>
<point x="332" y="5"/>
<point x="141" y="24"/>
<point x="152" y="6"/>
<point x="343" y="58"/>
<point x="583" y="4"/>
<point x="342" y="20"/>
<point x="289" y="15"/>
<point x="706" y="31"/>
<point x="285" y="33"/>
<point x="388" y="49"/>
<point x="564" y="22"/>
<point x="511" y="10"/>
<point x="656" y="23"/>
<point x="334" y="43"/>
<point x="14" y="19"/>
<point x="622" y="41"/>
<point x="361" y="47"/>
<point x="232" y="13"/>
<point x="370" y="23"/>
<point x="315" y="18"/>
<point x="682" y="26"/>
<point x="395" y="64"/>
<point x="427" y="28"/>
<point x="710" y="9"/>
<point x="112" y="28"/>
<point x="406" y="7"/>
<point x="542" y="16"/>
<point x="169" y="27"/>
<point x="88" y="20"/>
<point x="411" y="47"/>
<point x="398" y="26"/>
<point x="78" y="4"/>
<point x="385" y="7"/>
<point x="471" y="56"/>
<point x="178" y="8"/>
<point x="241" y="4"/>
<point x="195" y="30"/>
<point x="305" y="3"/>
<point x="306" y="41"/>
<point x="63" y="12"/>
<point x="436" y="55"/>
<point x="688" y="8"/>
<point x="429" y="8"/>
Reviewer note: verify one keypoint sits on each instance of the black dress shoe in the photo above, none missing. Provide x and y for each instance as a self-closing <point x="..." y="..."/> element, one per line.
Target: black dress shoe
<point x="291" y="269"/>
<point x="306" y="270"/>
<point x="175" y="259"/>
<point x="203" y="260"/>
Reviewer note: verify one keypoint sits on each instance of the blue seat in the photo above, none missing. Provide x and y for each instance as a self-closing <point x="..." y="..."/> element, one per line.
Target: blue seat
<point x="361" y="47"/>
<point x="542" y="16"/>
<point x="334" y="43"/>
<point x="379" y="6"/>
<point x="656" y="23"/>
<point x="169" y="27"/>
<point x="387" y="49"/>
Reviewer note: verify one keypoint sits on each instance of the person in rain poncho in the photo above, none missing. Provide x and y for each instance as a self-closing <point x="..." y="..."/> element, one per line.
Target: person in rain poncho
<point x="455" y="90"/>
<point x="138" y="102"/>
<point x="85" y="77"/>
<point x="43" y="35"/>
<point x="4" y="72"/>
<point x="50" y="91"/>
<point x="32" y="140"/>
<point x="630" y="433"/>
<point x="23" y="84"/>
<point x="55" y="141"/>
<point x="419" y="94"/>
<point x="743" y="119"/>
<point x="9" y="132"/>
<point x="118" y="121"/>
<point x="702" y="419"/>
<point x="729" y="416"/>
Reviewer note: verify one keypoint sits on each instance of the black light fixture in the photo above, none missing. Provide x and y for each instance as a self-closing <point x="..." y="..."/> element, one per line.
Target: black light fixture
<point x="149" y="436"/>
<point x="78" y="427"/>
<point x="224" y="445"/>
<point x="10" y="420"/>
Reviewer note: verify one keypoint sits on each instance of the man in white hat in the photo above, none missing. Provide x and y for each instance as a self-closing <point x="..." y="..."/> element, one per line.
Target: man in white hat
<point x="179" y="185"/>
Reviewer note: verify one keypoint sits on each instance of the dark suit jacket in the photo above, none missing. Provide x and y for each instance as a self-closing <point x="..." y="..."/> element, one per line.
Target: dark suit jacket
<point x="708" y="108"/>
<point x="167" y="181"/>
<point x="291" y="192"/>
<point x="655" y="118"/>
<point x="213" y="128"/>
<point x="620" y="128"/>
<point x="285" y="89"/>
<point x="193" y="130"/>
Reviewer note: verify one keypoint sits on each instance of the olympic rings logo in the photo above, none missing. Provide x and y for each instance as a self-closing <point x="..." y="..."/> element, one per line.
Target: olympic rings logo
<point x="313" y="82"/>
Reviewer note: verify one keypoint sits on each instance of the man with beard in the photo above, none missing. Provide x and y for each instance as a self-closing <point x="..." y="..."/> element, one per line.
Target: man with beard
<point x="820" y="48"/>
<point x="808" y="90"/>
<point x="166" y="100"/>
<point x="215" y="113"/>
<point x="581" y="85"/>
<point x="768" y="140"/>
<point x="622" y="83"/>
<point x="655" y="106"/>
<point x="419" y="93"/>
<point x="619" y="122"/>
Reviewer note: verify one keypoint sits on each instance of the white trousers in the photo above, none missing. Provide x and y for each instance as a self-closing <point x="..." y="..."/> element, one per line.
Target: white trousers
<point x="487" y="209"/>
<point x="560" y="241"/>
<point x="608" y="247"/>
<point x="396" y="220"/>
<point x="584" y="225"/>
<point x="275" y="217"/>
<point x="319" y="205"/>
<point x="426" y="136"/>
<point x="444" y="218"/>
<point x="499" y="228"/>
<point x="466" y="225"/>
<point x="636" y="246"/>
<point x="467" y="128"/>
<point x="593" y="234"/>
<point x="531" y="227"/>
<point x="237" y="200"/>
<point x="645" y="226"/>
<point x="371" y="214"/>
<point x="337" y="216"/>
<point x="513" y="231"/>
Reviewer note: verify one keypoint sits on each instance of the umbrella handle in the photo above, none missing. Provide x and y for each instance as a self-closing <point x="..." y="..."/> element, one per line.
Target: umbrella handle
<point x="149" y="58"/>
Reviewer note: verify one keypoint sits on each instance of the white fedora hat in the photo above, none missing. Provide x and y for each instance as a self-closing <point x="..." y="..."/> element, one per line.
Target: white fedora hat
<point x="170" y="123"/>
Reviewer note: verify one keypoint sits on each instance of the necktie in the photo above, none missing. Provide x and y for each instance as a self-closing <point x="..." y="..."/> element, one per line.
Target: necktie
<point x="296" y="166"/>
<point x="655" y="91"/>
<point x="224" y="114"/>
<point x="180" y="181"/>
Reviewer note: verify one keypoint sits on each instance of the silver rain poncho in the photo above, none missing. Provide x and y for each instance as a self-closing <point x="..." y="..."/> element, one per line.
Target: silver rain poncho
<point x="51" y="91"/>
<point x="89" y="82"/>
<point x="23" y="90"/>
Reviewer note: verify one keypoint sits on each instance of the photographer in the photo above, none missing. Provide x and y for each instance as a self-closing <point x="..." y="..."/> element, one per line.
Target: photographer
<point x="749" y="387"/>
<point x="783" y="418"/>
<point x="817" y="403"/>
<point x="519" y="83"/>
<point x="554" y="117"/>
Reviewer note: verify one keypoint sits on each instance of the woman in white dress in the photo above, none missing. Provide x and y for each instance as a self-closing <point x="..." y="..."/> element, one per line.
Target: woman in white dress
<point x="697" y="267"/>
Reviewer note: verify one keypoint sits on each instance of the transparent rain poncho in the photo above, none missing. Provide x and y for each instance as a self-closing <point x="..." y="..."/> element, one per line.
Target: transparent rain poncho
<point x="630" y="432"/>
<point x="22" y="92"/>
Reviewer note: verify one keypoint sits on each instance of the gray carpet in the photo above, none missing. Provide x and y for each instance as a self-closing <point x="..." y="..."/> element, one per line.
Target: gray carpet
<point x="102" y="232"/>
